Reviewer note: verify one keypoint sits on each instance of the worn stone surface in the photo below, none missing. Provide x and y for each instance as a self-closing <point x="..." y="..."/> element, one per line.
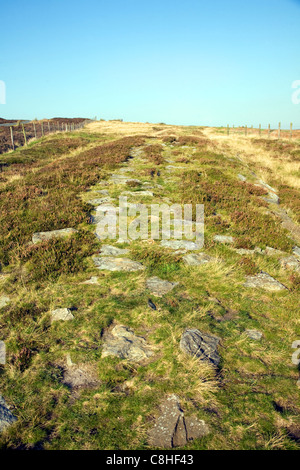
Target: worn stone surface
<point x="63" y="314"/>
<point x="109" y="250"/>
<point x="181" y="244"/>
<point x="117" y="264"/>
<point x="246" y="251"/>
<point x="202" y="345"/>
<point x="138" y="193"/>
<point x="2" y="353"/>
<point x="254" y="334"/>
<point x="122" y="342"/>
<point x="172" y="428"/>
<point x="6" y="416"/>
<point x="272" y="251"/>
<point x="159" y="287"/>
<point x="242" y="177"/>
<point x="263" y="281"/>
<point x="77" y="377"/>
<point x="196" y="259"/>
<point x="227" y="239"/>
<point x="4" y="301"/>
<point x="42" y="236"/>
<point x="104" y="192"/>
<point x="100" y="200"/>
<point x="291" y="262"/>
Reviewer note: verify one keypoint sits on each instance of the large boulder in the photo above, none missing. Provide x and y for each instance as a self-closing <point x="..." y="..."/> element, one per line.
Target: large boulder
<point x="201" y="345"/>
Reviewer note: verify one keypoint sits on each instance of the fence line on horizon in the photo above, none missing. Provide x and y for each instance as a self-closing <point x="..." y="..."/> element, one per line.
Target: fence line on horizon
<point x="53" y="127"/>
<point x="260" y="130"/>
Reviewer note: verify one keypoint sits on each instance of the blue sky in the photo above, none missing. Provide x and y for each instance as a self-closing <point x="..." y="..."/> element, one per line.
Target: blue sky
<point x="180" y="62"/>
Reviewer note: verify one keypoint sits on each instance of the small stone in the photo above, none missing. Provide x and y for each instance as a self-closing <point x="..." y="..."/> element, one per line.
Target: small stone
<point x="4" y="301"/>
<point x="6" y="417"/>
<point x="80" y="377"/>
<point x="103" y="191"/>
<point x="138" y="193"/>
<point x="245" y="251"/>
<point x="109" y="250"/>
<point x="63" y="314"/>
<point x="159" y="287"/>
<point x="196" y="259"/>
<point x="92" y="280"/>
<point x="117" y="264"/>
<point x="42" y="236"/>
<point x="98" y="201"/>
<point x="254" y="334"/>
<point x="263" y="281"/>
<point x="242" y="178"/>
<point x="201" y="345"/>
<point x="296" y="251"/>
<point x="225" y="239"/>
<point x="273" y="251"/>
<point x="122" y="342"/>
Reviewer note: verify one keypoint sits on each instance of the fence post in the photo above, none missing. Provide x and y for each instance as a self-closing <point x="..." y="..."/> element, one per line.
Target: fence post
<point x="24" y="133"/>
<point x="49" y="126"/>
<point x="227" y="129"/>
<point x="246" y="130"/>
<point x="42" y="127"/>
<point x="260" y="130"/>
<point x="279" y="129"/>
<point x="34" y="129"/>
<point x="291" y="130"/>
<point x="269" y="131"/>
<point x="12" y="138"/>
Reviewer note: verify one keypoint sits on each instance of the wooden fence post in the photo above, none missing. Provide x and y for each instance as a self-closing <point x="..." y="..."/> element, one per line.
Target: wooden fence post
<point x="49" y="126"/>
<point x="279" y="129"/>
<point x="24" y="133"/>
<point x="291" y="130"/>
<point x="246" y="130"/>
<point x="42" y="127"/>
<point x="260" y="130"/>
<point x="227" y="129"/>
<point x="12" y="138"/>
<point x="34" y="129"/>
<point x="269" y="131"/>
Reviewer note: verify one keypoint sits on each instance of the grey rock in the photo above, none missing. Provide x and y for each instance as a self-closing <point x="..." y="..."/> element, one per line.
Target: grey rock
<point x="225" y="239"/>
<point x="172" y="428"/>
<point x="63" y="314"/>
<point x="181" y="244"/>
<point x="159" y="287"/>
<point x="100" y="200"/>
<point x="122" y="342"/>
<point x="254" y="334"/>
<point x="242" y="178"/>
<point x="6" y="416"/>
<point x="263" y="281"/>
<point x="92" y="280"/>
<point x="4" y="301"/>
<point x="273" y="251"/>
<point x="266" y="186"/>
<point x="42" y="236"/>
<point x="104" y="192"/>
<point x="138" y="193"/>
<point x="118" y="264"/>
<point x="291" y="262"/>
<point x="80" y="377"/>
<point x="2" y="353"/>
<point x="109" y="250"/>
<point x="196" y="259"/>
<point x="202" y="345"/>
<point x="245" y="251"/>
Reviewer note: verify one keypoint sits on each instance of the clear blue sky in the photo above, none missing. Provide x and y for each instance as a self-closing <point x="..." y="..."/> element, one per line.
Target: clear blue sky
<point x="180" y="62"/>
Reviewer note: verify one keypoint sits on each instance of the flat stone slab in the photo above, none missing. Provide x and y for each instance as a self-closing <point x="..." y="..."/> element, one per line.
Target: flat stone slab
<point x="104" y="192"/>
<point x="118" y="264"/>
<point x="4" y="301"/>
<point x="272" y="251"/>
<point x="263" y="281"/>
<point x="201" y="345"/>
<point x="6" y="416"/>
<point x="291" y="262"/>
<point x="254" y="334"/>
<point x="172" y="428"/>
<point x="159" y="287"/>
<point x="138" y="193"/>
<point x="196" y="259"/>
<point x="80" y="377"/>
<point x="2" y="353"/>
<point x="225" y="239"/>
<point x="42" y="236"/>
<point x="242" y="178"/>
<point x="122" y="342"/>
<point x="246" y="251"/>
<point x="181" y="244"/>
<point x="109" y="250"/>
<point x="100" y="200"/>
<point x="63" y="314"/>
